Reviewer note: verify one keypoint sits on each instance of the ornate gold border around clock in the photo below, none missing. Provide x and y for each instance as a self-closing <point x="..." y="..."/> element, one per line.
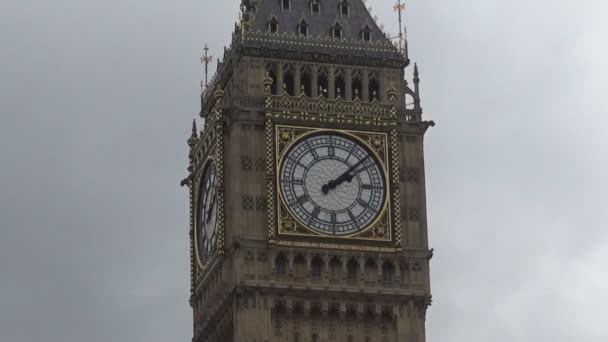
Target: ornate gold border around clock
<point x="212" y="145"/>
<point x="288" y="225"/>
<point x="395" y="169"/>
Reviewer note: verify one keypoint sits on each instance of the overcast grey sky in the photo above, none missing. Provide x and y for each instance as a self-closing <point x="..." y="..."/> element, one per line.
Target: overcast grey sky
<point x="96" y="100"/>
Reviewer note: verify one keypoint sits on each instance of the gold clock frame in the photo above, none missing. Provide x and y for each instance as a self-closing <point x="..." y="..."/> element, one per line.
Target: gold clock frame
<point x="209" y="145"/>
<point x="290" y="226"/>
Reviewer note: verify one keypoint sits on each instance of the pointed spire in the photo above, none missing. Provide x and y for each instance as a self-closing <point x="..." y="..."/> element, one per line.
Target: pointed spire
<point x="416" y="88"/>
<point x="194" y="132"/>
<point x="194" y="136"/>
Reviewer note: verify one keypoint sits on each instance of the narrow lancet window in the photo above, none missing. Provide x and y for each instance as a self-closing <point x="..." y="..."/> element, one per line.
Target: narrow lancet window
<point x="303" y="29"/>
<point x="366" y="34"/>
<point x="344" y="8"/>
<point x="273" y="25"/>
<point x="315" y="7"/>
<point x="336" y="32"/>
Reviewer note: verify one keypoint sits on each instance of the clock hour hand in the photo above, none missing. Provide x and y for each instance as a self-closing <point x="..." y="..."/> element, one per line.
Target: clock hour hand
<point x="210" y="210"/>
<point x="346" y="176"/>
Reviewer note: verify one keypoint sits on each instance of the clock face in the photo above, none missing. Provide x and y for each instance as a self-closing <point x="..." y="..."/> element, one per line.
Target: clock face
<point x="332" y="184"/>
<point x="207" y="214"/>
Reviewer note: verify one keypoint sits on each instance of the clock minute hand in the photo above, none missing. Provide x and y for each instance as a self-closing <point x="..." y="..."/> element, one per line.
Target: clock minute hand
<point x="346" y="176"/>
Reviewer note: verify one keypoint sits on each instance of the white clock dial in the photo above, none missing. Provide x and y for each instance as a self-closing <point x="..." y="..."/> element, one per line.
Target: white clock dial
<point x="332" y="184"/>
<point x="207" y="214"/>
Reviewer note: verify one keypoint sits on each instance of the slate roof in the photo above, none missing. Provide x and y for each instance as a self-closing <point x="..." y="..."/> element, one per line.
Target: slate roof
<point x="319" y="38"/>
<point x="320" y="24"/>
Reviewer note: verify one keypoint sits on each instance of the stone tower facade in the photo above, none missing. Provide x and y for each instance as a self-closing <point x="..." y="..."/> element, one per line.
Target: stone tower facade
<point x="307" y="183"/>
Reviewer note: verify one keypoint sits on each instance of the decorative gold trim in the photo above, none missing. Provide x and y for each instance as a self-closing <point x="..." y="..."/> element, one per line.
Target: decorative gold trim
<point x="270" y="179"/>
<point x="211" y="145"/>
<point x="219" y="156"/>
<point x="338" y="111"/>
<point x="396" y="170"/>
<point x="376" y="142"/>
<point x="323" y="245"/>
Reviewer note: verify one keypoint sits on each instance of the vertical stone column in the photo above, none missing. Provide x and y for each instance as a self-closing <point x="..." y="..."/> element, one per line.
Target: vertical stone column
<point x="290" y="259"/>
<point x="273" y="262"/>
<point x="331" y="80"/>
<point x="361" y="268"/>
<point x="382" y="87"/>
<point x="280" y="81"/>
<point x="348" y="80"/>
<point x="397" y="279"/>
<point x="314" y="79"/>
<point x="365" y="85"/>
<point x="297" y="79"/>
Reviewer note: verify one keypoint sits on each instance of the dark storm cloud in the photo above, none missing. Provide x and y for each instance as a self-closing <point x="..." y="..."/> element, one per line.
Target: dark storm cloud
<point x="96" y="100"/>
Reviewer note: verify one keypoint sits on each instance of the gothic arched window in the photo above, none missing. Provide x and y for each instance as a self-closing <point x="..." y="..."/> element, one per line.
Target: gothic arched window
<point x="340" y="86"/>
<point x="273" y="25"/>
<point x="303" y="29"/>
<point x="357" y="86"/>
<point x="281" y="264"/>
<point x="316" y="267"/>
<point x="352" y="267"/>
<point x="315" y="6"/>
<point x="344" y="8"/>
<point x="305" y="82"/>
<point x="374" y="89"/>
<point x="322" y="82"/>
<point x="366" y="34"/>
<point x="336" y="32"/>
<point x="388" y="271"/>
<point x="288" y="79"/>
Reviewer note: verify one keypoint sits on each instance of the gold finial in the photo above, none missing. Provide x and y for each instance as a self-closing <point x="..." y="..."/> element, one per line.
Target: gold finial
<point x="206" y="60"/>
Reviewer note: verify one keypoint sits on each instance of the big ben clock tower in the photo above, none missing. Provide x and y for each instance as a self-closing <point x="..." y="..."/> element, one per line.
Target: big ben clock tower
<point x="307" y="194"/>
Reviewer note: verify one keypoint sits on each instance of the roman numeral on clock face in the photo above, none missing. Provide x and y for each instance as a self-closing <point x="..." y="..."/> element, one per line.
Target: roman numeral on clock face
<point x="312" y="150"/>
<point x="362" y="203"/>
<point x="303" y="199"/>
<point x="352" y="216"/>
<point x="331" y="150"/>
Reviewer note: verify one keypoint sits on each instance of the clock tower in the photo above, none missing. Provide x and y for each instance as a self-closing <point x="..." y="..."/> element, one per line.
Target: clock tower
<point x="307" y="197"/>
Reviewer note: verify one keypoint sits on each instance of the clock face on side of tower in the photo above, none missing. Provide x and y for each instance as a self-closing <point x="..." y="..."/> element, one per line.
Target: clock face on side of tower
<point x="207" y="220"/>
<point x="332" y="184"/>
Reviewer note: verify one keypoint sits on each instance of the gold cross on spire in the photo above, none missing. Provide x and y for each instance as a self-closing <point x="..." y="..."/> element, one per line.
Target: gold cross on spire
<point x="206" y="60"/>
<point x="400" y="8"/>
